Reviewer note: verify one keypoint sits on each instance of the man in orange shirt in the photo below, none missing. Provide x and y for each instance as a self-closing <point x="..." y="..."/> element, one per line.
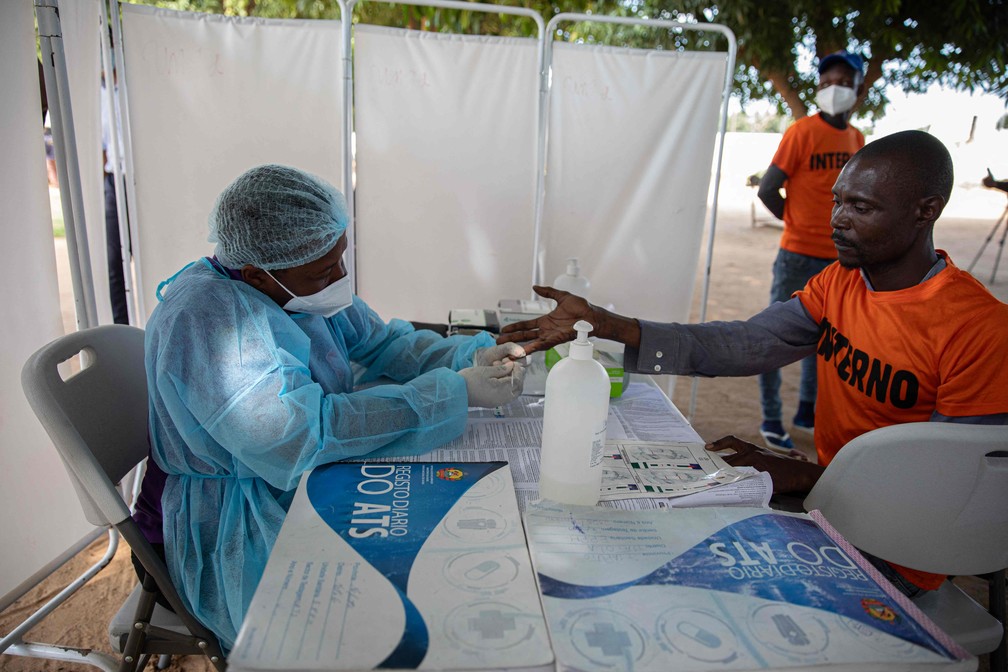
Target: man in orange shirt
<point x="808" y="161"/>
<point x="900" y="334"/>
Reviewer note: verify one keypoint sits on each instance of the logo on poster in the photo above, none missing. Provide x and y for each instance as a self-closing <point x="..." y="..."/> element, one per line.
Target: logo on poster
<point x="879" y="610"/>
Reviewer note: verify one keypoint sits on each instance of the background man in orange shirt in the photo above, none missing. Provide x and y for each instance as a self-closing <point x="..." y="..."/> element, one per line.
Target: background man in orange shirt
<point x="808" y="161"/>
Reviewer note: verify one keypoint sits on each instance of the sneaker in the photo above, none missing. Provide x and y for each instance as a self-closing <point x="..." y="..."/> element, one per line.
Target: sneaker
<point x="775" y="437"/>
<point x="804" y="419"/>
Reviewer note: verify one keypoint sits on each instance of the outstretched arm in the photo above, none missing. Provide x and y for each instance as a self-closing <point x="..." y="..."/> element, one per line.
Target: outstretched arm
<point x="557" y="326"/>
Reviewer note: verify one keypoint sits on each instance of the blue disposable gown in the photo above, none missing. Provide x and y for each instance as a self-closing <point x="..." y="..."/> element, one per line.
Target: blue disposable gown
<point x="245" y="397"/>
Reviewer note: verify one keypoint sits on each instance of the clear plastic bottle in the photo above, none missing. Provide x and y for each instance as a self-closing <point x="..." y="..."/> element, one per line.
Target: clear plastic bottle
<point x="572" y="281"/>
<point x="574" y="425"/>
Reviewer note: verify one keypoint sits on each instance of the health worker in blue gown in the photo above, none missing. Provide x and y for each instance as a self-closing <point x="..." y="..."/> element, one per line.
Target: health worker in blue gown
<point x="255" y="361"/>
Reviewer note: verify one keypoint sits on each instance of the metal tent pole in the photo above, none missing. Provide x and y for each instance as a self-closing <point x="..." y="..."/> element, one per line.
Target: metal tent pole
<point x="57" y="86"/>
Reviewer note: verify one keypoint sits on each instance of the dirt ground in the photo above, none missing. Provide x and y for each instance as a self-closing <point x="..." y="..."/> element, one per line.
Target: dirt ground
<point x="743" y="257"/>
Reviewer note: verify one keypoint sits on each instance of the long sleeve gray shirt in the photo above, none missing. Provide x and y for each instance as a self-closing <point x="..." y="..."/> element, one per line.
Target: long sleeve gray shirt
<point x="779" y="335"/>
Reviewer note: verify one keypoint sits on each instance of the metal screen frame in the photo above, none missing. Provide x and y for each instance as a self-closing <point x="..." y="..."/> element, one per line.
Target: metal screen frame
<point x="547" y="59"/>
<point x="446" y="4"/>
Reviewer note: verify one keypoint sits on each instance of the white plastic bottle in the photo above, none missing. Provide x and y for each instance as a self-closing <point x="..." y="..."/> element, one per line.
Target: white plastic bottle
<point x="572" y="281"/>
<point x="574" y="425"/>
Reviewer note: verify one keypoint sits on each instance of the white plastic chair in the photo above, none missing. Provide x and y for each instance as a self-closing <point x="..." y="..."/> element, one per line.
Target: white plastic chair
<point x="932" y="496"/>
<point x="97" y="419"/>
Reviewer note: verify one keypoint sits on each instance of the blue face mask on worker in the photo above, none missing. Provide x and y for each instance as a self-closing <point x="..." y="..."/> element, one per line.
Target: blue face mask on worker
<point x="331" y="300"/>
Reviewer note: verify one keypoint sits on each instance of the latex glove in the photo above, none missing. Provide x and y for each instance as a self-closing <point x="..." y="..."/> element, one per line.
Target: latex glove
<point x="490" y="386"/>
<point x="498" y="354"/>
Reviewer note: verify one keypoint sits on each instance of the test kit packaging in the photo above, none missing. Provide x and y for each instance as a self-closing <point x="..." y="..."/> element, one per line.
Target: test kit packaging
<point x="399" y="567"/>
<point x="519" y="310"/>
<point x="470" y="321"/>
<point x="607" y="353"/>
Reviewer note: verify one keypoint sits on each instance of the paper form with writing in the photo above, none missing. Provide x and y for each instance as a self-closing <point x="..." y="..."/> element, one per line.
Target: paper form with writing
<point x="753" y="491"/>
<point x="400" y="567"/>
<point x="661" y="469"/>
<point x="720" y="589"/>
<point x="643" y="413"/>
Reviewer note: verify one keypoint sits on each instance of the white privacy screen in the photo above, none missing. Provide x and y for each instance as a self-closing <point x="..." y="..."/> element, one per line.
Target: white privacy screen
<point x="630" y="142"/>
<point x="210" y="97"/>
<point x="446" y="143"/>
<point x="80" y="22"/>
<point x="41" y="517"/>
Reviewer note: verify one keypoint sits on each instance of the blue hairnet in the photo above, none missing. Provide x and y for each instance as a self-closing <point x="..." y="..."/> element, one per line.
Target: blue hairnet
<point x="276" y="217"/>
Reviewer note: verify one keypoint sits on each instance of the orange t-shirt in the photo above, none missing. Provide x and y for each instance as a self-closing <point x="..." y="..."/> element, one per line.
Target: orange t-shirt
<point x="886" y="358"/>
<point x="812" y="153"/>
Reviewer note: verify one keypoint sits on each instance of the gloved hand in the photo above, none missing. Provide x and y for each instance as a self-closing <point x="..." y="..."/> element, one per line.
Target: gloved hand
<point x="490" y="386"/>
<point x="498" y="354"/>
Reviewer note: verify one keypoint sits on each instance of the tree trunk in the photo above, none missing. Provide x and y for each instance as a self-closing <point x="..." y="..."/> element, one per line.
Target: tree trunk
<point x="783" y="86"/>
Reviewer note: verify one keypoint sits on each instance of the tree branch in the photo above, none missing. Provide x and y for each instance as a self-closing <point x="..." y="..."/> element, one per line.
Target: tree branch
<point x="874" y="71"/>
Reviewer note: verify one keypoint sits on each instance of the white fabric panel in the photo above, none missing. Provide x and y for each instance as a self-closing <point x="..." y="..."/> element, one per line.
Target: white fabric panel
<point x="210" y="97"/>
<point x="631" y="137"/>
<point x="41" y="517"/>
<point x="446" y="142"/>
<point x="81" y="22"/>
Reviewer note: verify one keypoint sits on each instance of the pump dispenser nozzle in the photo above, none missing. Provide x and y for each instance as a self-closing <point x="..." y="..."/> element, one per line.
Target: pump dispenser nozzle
<point x="572" y="281"/>
<point x="582" y="347"/>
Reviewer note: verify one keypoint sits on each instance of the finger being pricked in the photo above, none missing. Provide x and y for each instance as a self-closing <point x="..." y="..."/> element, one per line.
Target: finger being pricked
<point x="529" y="340"/>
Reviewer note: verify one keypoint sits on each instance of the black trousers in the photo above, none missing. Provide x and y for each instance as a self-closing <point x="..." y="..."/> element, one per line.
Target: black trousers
<point x="113" y="250"/>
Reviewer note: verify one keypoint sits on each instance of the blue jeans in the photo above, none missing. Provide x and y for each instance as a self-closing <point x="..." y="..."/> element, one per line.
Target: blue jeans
<point x="791" y="271"/>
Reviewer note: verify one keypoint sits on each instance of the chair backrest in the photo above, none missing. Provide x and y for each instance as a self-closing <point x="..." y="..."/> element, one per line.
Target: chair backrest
<point x="96" y="418"/>
<point x="928" y="495"/>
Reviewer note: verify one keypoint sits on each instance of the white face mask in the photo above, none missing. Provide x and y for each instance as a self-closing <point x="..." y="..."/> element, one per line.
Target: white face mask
<point x="331" y="300"/>
<point x="835" y="99"/>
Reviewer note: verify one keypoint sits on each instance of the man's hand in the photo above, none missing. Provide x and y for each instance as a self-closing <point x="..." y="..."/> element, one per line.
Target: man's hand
<point x="555" y="327"/>
<point x="790" y="474"/>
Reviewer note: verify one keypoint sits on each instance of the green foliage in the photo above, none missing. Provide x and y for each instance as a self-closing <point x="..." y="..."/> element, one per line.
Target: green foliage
<point x="56" y="210"/>
<point x="741" y="122"/>
<point x="908" y="43"/>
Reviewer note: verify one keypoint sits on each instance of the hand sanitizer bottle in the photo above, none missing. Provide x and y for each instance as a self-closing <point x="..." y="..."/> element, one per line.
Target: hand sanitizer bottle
<point x="572" y="281"/>
<point x="574" y="425"/>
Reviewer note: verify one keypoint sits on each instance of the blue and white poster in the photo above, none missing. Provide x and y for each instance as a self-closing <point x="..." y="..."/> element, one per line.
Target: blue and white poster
<point x="398" y="567"/>
<point x="719" y="589"/>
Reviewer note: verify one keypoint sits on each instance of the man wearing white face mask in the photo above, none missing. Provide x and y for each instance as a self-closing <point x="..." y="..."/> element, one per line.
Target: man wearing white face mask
<point x="807" y="163"/>
<point x="255" y="361"/>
